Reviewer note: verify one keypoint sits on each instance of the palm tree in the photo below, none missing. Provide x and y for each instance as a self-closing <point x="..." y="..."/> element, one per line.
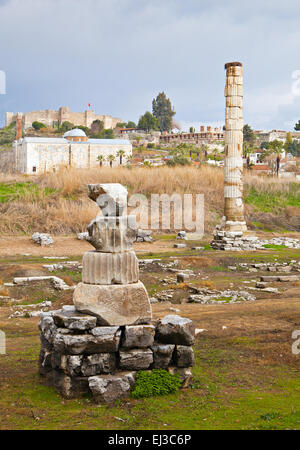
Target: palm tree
<point x="205" y="149"/>
<point x="121" y="153"/>
<point x="100" y="158"/>
<point x="111" y="158"/>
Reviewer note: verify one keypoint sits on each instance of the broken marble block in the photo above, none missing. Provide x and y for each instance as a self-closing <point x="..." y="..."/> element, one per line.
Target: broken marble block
<point x="74" y="320"/>
<point x="184" y="356"/>
<point x="42" y="239"/>
<point x="68" y="387"/>
<point x="136" y="359"/>
<point x="108" y="388"/>
<point x="124" y="304"/>
<point x="69" y="364"/>
<point x="173" y="329"/>
<point x="99" y="363"/>
<point x="112" y="234"/>
<point x="162" y="355"/>
<point x="86" y="343"/>
<point x="110" y="268"/>
<point x="111" y="198"/>
<point x="138" y="336"/>
<point x="47" y="327"/>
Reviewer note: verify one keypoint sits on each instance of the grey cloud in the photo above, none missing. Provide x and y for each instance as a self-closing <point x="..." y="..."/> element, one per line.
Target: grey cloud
<point x="118" y="54"/>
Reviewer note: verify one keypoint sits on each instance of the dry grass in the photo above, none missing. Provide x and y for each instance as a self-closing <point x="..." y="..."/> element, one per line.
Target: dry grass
<point x="67" y="209"/>
<point x="139" y="180"/>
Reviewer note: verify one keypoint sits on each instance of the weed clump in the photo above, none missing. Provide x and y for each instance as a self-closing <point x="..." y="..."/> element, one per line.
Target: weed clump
<point x="157" y="382"/>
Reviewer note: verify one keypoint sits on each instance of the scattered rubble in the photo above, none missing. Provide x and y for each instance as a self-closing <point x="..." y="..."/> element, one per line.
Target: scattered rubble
<point x="83" y="236"/>
<point x="238" y="241"/>
<point x="143" y="235"/>
<point x="58" y="283"/>
<point x="70" y="265"/>
<point x="30" y="310"/>
<point x="209" y="297"/>
<point x="181" y="235"/>
<point x="182" y="277"/>
<point x="42" y="239"/>
<point x="292" y="266"/>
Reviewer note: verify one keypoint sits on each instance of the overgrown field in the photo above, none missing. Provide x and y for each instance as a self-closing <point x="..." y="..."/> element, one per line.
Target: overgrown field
<point x="245" y="374"/>
<point x="57" y="202"/>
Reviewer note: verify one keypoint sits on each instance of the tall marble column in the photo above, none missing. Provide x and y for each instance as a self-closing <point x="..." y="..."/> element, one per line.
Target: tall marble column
<point x="233" y="165"/>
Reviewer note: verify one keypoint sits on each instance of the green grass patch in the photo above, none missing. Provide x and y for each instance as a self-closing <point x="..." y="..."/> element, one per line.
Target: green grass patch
<point x="164" y="237"/>
<point x="274" y="202"/>
<point x="15" y="191"/>
<point x="219" y="268"/>
<point x="274" y="246"/>
<point x="157" y="382"/>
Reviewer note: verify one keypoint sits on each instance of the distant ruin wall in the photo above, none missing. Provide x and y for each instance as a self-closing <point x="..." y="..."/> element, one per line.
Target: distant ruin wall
<point x="49" y="117"/>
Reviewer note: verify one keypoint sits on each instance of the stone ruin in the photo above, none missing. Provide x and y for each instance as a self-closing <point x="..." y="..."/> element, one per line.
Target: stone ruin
<point x="98" y="345"/>
<point x="232" y="233"/>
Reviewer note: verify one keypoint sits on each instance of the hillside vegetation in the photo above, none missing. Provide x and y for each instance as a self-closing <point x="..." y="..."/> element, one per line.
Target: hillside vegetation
<point x="57" y="202"/>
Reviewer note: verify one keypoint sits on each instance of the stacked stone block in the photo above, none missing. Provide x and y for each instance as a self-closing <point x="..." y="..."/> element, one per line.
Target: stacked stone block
<point x="235" y="241"/>
<point x="110" y="287"/>
<point x="99" y="344"/>
<point x="78" y="356"/>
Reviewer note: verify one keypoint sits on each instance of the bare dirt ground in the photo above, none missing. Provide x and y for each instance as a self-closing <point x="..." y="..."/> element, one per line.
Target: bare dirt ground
<point x="64" y="246"/>
<point x="246" y="375"/>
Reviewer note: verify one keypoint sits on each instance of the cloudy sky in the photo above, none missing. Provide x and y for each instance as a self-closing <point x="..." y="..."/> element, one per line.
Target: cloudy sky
<point x="118" y="54"/>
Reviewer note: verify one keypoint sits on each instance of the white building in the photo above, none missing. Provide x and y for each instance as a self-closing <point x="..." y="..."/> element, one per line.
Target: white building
<point x="74" y="149"/>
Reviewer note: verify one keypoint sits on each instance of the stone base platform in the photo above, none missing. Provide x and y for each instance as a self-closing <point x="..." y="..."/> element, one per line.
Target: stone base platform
<point x="79" y="356"/>
<point x="115" y="304"/>
<point x="235" y="241"/>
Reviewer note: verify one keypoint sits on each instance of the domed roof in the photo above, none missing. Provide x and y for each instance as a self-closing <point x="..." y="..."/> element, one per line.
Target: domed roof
<point x="76" y="132"/>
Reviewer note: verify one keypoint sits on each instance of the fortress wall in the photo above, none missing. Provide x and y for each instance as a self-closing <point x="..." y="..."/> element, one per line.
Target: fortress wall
<point x="48" y="116"/>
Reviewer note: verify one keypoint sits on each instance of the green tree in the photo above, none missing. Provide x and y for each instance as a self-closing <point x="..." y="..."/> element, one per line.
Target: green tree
<point x="148" y="122"/>
<point x="275" y="147"/>
<point x="83" y="128"/>
<point x="38" y="125"/>
<point x="111" y="158"/>
<point x="100" y="158"/>
<point x="178" y="161"/>
<point x="120" y="154"/>
<point x="163" y="111"/>
<point x="288" y="141"/>
<point x="297" y="126"/>
<point x="67" y="126"/>
<point x="249" y="135"/>
<point x="264" y="145"/>
<point x="97" y="126"/>
<point x="294" y="148"/>
<point x="130" y="124"/>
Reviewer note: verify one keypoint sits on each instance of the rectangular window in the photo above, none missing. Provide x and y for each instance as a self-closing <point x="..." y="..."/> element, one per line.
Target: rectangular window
<point x="34" y="169"/>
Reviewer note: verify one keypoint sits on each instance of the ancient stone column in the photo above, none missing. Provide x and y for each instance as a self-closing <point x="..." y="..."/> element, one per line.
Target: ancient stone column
<point x="110" y="287"/>
<point x="233" y="165"/>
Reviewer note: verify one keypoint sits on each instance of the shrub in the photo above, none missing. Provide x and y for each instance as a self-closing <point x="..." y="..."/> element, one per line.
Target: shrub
<point x="157" y="382"/>
<point x="38" y="125"/>
<point x="178" y="161"/>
